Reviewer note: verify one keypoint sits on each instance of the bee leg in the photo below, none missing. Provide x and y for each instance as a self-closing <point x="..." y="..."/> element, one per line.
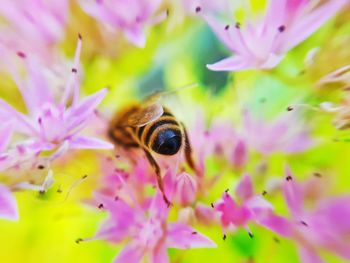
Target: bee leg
<point x="188" y="150"/>
<point x="159" y="177"/>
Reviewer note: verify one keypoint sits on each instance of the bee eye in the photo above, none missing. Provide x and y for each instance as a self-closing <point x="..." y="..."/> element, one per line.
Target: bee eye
<point x="170" y="146"/>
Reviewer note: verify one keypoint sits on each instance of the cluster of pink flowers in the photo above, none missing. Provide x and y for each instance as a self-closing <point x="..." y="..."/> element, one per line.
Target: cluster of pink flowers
<point x="57" y="117"/>
<point x="284" y="25"/>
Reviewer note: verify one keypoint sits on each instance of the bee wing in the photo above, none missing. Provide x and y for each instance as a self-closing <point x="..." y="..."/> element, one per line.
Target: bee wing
<point x="145" y="115"/>
<point x="158" y="95"/>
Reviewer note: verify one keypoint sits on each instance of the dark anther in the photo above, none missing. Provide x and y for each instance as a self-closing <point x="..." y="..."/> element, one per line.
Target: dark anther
<point x="167" y="12"/>
<point x="40" y="167"/>
<point x="59" y="190"/>
<point x="238" y="25"/>
<point x="303" y="223"/>
<point x="21" y="54"/>
<point x="281" y="28"/>
<point x="80" y="37"/>
<point x="79" y="240"/>
<point x="226" y="191"/>
<point x="224" y="237"/>
<point x="289" y="178"/>
<point x="116" y="198"/>
<point x="41" y="192"/>
<point x="264" y="192"/>
<point x="227" y="27"/>
<point x="212" y="205"/>
<point x="318" y="175"/>
<point x="250" y="234"/>
<point x="289" y="108"/>
<point x="100" y="206"/>
<point x="198" y="9"/>
<point x="194" y="233"/>
<point x="84" y="177"/>
<point x="276" y="240"/>
<point x="74" y="70"/>
<point x="117" y="156"/>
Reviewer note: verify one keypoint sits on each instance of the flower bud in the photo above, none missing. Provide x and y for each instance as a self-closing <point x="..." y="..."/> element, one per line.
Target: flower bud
<point x="186" y="188"/>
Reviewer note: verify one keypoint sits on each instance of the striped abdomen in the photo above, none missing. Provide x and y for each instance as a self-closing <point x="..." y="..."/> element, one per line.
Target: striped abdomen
<point x="163" y="136"/>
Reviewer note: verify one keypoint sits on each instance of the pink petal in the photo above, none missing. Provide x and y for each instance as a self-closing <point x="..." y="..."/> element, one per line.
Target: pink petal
<point x="83" y="142"/>
<point x="240" y="154"/>
<point x="292" y="194"/>
<point x="136" y="36"/>
<point x="244" y="189"/>
<point x="205" y="214"/>
<point x="308" y="255"/>
<point x="5" y="136"/>
<point x="8" y="205"/>
<point x="184" y="237"/>
<point x="169" y="181"/>
<point x="275" y="223"/>
<point x="235" y="63"/>
<point x="122" y="218"/>
<point x="158" y="208"/>
<point x="258" y="203"/>
<point x="83" y="110"/>
<point x="131" y="253"/>
<point x="309" y="23"/>
<point x="159" y="255"/>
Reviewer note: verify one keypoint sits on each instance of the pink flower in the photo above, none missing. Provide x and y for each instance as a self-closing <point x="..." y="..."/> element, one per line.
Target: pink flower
<point x="220" y="139"/>
<point x="286" y="24"/>
<point x="131" y="17"/>
<point x="284" y="134"/>
<point x="52" y="125"/>
<point x="150" y="234"/>
<point x="8" y="205"/>
<point x="326" y="226"/>
<point x="33" y="26"/>
<point x="251" y="207"/>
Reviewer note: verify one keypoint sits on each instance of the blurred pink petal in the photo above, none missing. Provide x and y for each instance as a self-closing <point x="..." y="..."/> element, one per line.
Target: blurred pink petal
<point x="292" y="193"/>
<point x="244" y="189"/>
<point x="160" y="255"/>
<point x="83" y="142"/>
<point x="8" y="205"/>
<point x="308" y="255"/>
<point x="184" y="237"/>
<point x="132" y="17"/>
<point x="130" y="253"/>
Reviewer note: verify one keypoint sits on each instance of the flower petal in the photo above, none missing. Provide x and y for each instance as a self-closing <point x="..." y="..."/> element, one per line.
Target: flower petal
<point x="82" y="110"/>
<point x="275" y="223"/>
<point x="136" y="36"/>
<point x="308" y="255"/>
<point x="244" y="189"/>
<point x="8" y="205"/>
<point x="183" y="237"/>
<point x="292" y="194"/>
<point x="5" y="136"/>
<point x="235" y="63"/>
<point x="130" y="253"/>
<point x="308" y="24"/>
<point x="159" y="255"/>
<point x="84" y="142"/>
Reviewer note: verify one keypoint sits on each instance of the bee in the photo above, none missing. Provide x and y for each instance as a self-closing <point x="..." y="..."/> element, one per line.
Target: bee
<point x="154" y="129"/>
